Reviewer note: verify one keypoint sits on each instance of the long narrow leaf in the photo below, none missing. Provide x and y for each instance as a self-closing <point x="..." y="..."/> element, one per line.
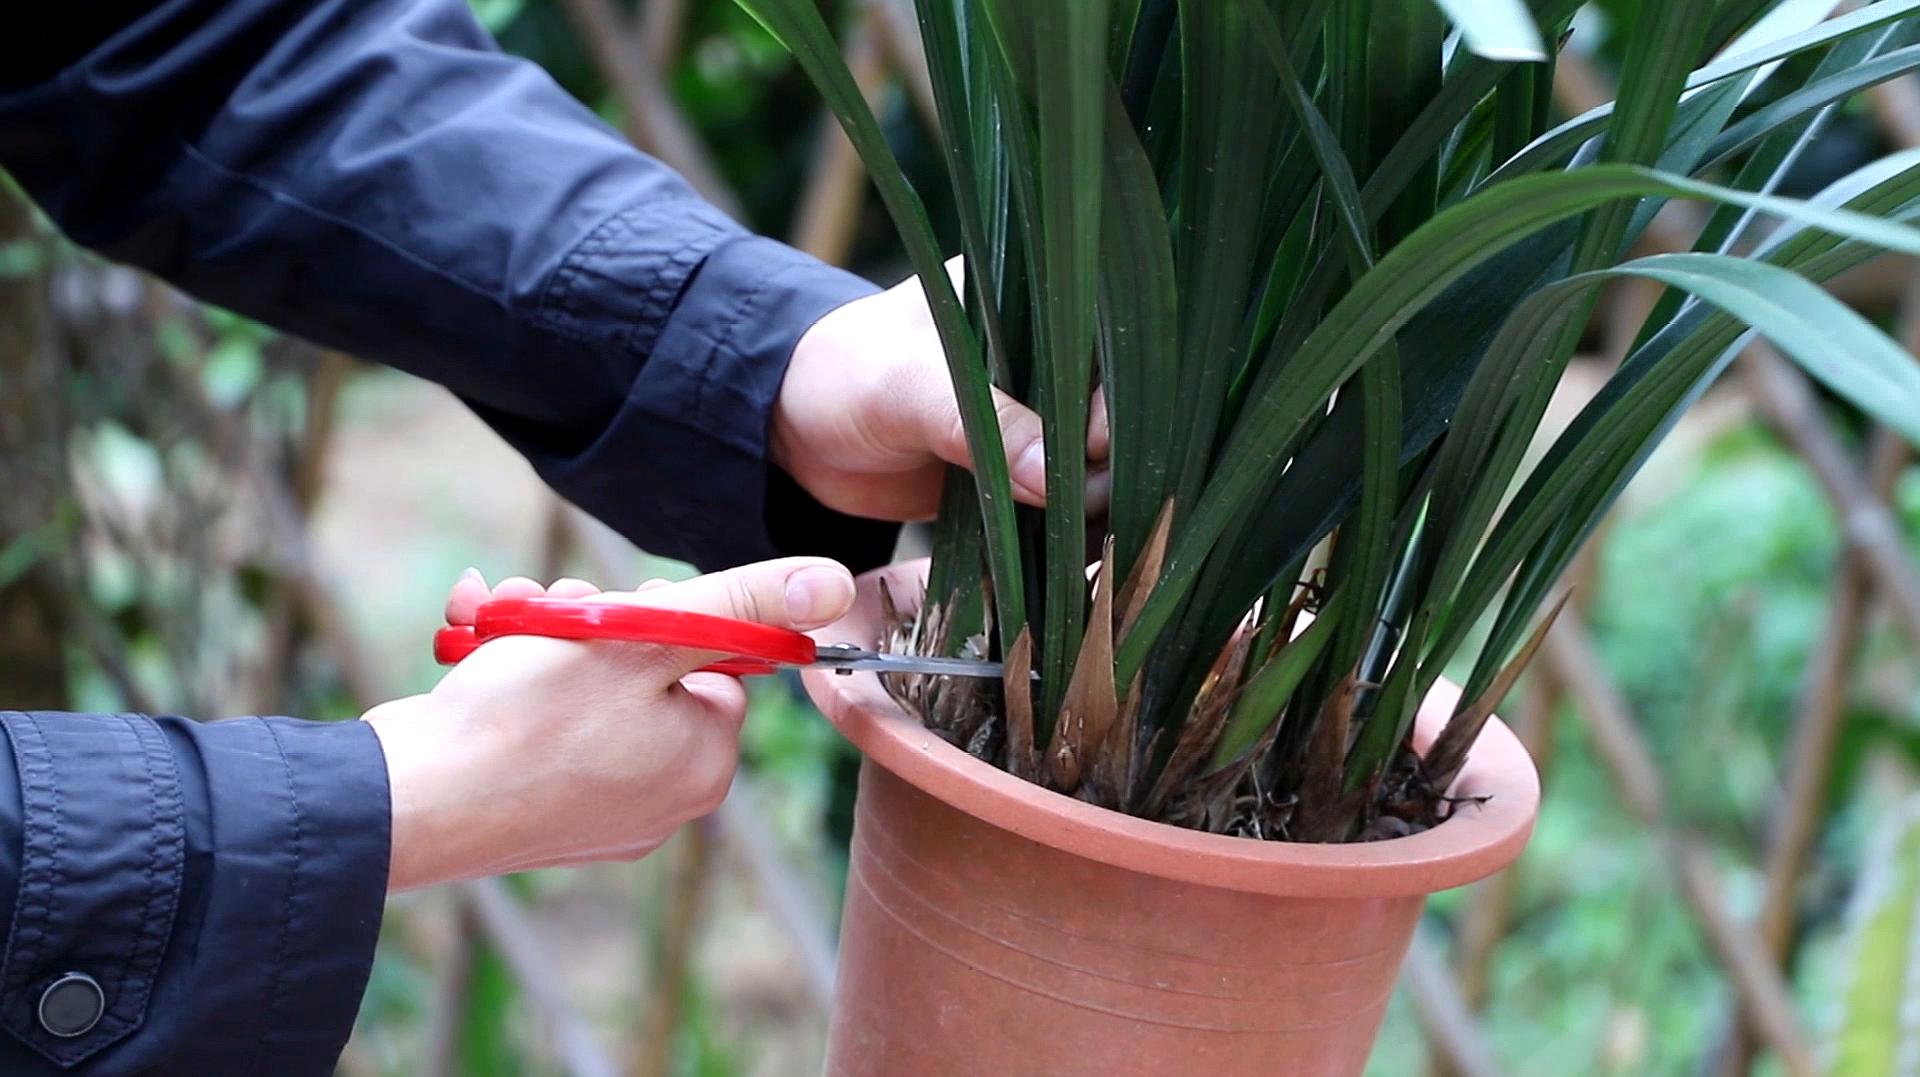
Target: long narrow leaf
<point x="1366" y="554"/>
<point x="1558" y="144"/>
<point x="1139" y="337"/>
<point x="1227" y="152"/>
<point x="1401" y="284"/>
<point x="1832" y="342"/>
<point x="797" y="25"/>
<point x="1585" y="470"/>
<point x="1812" y="97"/>
<point x="1066" y="86"/>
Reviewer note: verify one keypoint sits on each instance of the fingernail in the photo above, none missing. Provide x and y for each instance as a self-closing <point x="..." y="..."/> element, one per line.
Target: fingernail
<point x="1030" y="470"/>
<point x="817" y="595"/>
<point x="474" y="575"/>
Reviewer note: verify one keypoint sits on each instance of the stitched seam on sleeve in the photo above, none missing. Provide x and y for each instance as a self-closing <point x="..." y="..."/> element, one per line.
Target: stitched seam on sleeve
<point x="119" y="978"/>
<point x="561" y="300"/>
<point x="277" y="986"/>
<point x="128" y="980"/>
<point x="722" y="342"/>
<point x="165" y="867"/>
<point x="658" y="300"/>
<point x="39" y="853"/>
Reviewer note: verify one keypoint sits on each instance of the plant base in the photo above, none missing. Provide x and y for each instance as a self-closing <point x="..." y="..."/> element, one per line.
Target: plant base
<point x="994" y="927"/>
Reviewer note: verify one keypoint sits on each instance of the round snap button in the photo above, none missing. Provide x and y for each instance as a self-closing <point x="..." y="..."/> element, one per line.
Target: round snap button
<point x="72" y="1005"/>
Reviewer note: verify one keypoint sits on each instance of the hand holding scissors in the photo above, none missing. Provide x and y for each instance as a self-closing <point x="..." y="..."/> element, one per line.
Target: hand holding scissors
<point x="753" y="649"/>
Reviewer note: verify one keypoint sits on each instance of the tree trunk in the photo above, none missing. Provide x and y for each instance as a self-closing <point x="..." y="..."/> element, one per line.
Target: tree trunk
<point x="32" y="663"/>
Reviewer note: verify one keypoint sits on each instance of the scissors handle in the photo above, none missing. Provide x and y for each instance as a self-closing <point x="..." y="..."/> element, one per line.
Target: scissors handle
<point x="754" y="649"/>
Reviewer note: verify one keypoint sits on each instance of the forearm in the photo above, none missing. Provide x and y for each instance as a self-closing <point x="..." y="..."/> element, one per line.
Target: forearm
<point x="220" y="885"/>
<point x="376" y="176"/>
<point x="462" y="804"/>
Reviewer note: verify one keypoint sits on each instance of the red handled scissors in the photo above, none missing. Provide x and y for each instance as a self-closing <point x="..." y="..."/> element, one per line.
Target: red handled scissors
<point x="755" y="649"/>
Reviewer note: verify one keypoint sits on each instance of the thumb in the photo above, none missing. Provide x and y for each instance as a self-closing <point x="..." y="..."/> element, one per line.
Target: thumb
<point x="791" y="592"/>
<point x="1020" y="433"/>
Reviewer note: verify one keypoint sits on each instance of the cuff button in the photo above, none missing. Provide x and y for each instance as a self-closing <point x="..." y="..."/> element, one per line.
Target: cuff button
<point x="72" y="1005"/>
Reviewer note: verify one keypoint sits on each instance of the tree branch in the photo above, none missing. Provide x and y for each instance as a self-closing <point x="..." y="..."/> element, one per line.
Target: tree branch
<point x="1445" y="1016"/>
<point x="653" y="122"/>
<point x="1617" y="740"/>
<point x="1870" y="528"/>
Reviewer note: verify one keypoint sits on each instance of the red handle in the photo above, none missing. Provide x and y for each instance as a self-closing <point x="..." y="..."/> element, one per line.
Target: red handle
<point x="756" y="648"/>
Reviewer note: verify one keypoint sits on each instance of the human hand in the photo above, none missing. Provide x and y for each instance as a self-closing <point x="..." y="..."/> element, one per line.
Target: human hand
<point x="537" y="752"/>
<point x="866" y="419"/>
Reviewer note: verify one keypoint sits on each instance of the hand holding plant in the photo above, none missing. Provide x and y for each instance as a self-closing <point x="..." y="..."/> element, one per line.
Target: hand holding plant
<point x="866" y="419"/>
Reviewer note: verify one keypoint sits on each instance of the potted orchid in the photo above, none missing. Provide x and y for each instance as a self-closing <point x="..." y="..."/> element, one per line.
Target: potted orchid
<point x="1322" y="263"/>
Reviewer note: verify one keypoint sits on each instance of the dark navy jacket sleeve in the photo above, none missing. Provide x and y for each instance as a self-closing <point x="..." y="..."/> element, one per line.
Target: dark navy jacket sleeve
<point x="376" y="176"/>
<point x="373" y="175"/>
<point x="207" y="895"/>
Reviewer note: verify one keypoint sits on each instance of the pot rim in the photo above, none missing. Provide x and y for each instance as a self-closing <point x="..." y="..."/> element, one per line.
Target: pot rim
<point x="1476" y="841"/>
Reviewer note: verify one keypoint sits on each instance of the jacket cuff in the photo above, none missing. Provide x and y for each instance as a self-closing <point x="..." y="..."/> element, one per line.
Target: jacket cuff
<point x="695" y="420"/>
<point x="221" y="883"/>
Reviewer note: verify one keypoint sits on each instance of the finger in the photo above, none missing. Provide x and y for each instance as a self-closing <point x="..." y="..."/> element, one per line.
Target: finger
<point x="657" y="581"/>
<point x="468" y="592"/>
<point x="1020" y="434"/>
<point x="568" y="587"/>
<point x="1099" y="438"/>
<point x="1099" y="493"/>
<point x="518" y="587"/>
<point x="908" y="495"/>
<point x="792" y="592"/>
<point x="721" y="697"/>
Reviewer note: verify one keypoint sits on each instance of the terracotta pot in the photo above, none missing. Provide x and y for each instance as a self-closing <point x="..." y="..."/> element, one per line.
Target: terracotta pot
<point x="993" y="927"/>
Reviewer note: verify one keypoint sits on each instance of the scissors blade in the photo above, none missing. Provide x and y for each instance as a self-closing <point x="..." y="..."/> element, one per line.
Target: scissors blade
<point x="902" y="663"/>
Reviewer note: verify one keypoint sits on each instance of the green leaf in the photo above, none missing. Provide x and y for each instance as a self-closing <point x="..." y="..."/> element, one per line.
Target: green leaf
<point x="1439" y="349"/>
<point x="1770" y="163"/>
<point x="1559" y="144"/>
<point x="1264" y="697"/>
<point x="1830" y="340"/>
<point x="1365" y="551"/>
<point x="1876" y="1031"/>
<point x="976" y="161"/>
<point x="1066" y="87"/>
<point x="1586" y="468"/>
<point x="1496" y="29"/>
<point x="1467" y="83"/>
<point x="1404" y="45"/>
<point x="1227" y="152"/>
<point x="1404" y="281"/>
<point x="797" y="25"/>
<point x="1139" y="338"/>
<point x="1813" y="328"/>
<point x="1660" y="51"/>
<point x="1809" y="98"/>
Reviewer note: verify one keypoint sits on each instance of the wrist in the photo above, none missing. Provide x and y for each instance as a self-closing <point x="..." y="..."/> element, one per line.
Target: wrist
<point x="448" y="821"/>
<point x="794" y="386"/>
